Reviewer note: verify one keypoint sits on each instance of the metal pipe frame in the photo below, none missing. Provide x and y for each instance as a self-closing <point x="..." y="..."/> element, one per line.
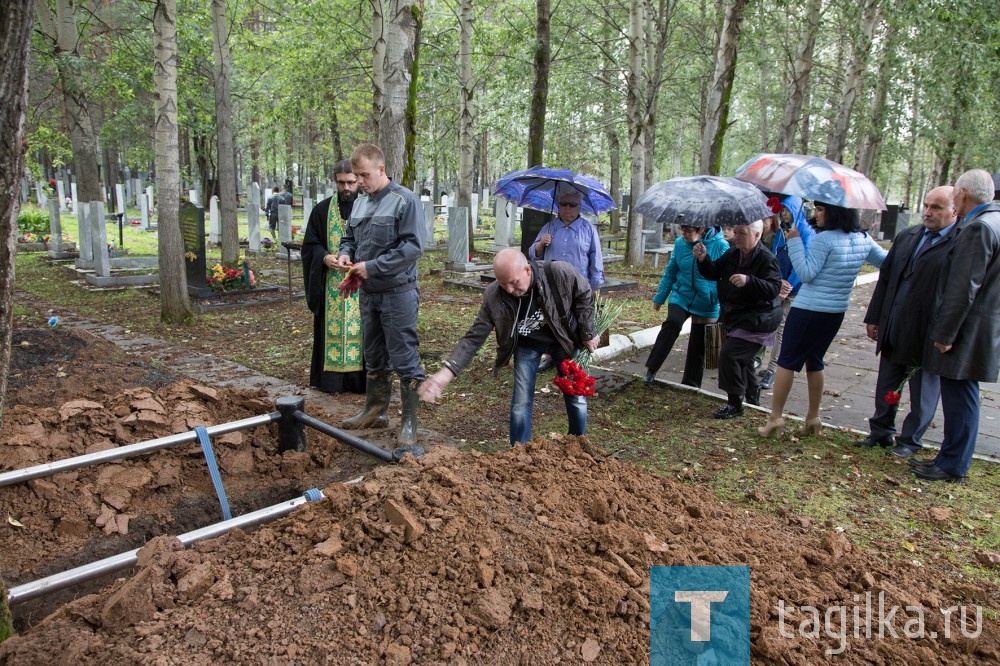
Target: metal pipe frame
<point x="47" y="469"/>
<point x="124" y="560"/>
<point x="345" y="437"/>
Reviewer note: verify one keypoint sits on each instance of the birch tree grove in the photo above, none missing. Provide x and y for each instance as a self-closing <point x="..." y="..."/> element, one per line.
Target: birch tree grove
<point x="852" y="82"/>
<point x="63" y="37"/>
<point x="633" y="108"/>
<point x="15" y="36"/>
<point x="721" y="87"/>
<point x="466" y="113"/>
<point x="400" y="36"/>
<point x="175" y="306"/>
<point x="801" y="69"/>
<point x="226" y="169"/>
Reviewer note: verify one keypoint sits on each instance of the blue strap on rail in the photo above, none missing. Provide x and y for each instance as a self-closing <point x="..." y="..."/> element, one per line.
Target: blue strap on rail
<point x="213" y="469"/>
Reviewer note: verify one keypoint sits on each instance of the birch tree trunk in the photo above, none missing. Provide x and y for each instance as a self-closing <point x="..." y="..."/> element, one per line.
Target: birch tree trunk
<point x="837" y="139"/>
<point x="801" y="69"/>
<point x="175" y="307"/>
<point x="400" y="36"/>
<point x="540" y="91"/>
<point x="226" y="169"/>
<point x="15" y="39"/>
<point x="466" y="155"/>
<point x="659" y="30"/>
<point x="633" y="107"/>
<point x="867" y="151"/>
<point x="378" y="64"/>
<point x="63" y="37"/>
<point x="409" y="176"/>
<point x="609" y="72"/>
<point x="721" y="88"/>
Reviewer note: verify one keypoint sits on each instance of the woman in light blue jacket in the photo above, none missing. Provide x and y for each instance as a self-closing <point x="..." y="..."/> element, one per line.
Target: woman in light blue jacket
<point x="691" y="295"/>
<point x="827" y="270"/>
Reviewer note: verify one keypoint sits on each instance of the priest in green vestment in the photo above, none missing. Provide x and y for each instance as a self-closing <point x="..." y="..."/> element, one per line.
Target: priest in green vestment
<point x="338" y="363"/>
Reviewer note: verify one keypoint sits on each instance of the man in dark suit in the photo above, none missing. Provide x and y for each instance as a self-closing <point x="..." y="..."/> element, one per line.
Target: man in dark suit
<point x="897" y="320"/>
<point x="966" y="327"/>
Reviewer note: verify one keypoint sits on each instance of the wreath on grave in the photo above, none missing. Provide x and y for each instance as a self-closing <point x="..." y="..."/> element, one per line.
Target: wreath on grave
<point x="221" y="278"/>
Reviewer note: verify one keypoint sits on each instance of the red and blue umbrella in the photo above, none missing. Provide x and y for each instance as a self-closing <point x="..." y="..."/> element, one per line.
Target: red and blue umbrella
<point x="537" y="188"/>
<point x="814" y="178"/>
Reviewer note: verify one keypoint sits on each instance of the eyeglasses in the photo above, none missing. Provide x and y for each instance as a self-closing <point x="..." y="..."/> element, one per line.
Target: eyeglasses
<point x="569" y="204"/>
<point x="347" y="182"/>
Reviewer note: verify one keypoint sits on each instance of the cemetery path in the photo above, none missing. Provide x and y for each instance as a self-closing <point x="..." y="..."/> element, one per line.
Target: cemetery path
<point x="537" y="555"/>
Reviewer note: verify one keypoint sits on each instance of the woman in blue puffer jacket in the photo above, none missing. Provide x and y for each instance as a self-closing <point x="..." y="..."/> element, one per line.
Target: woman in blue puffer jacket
<point x="827" y="271"/>
<point x="691" y="295"/>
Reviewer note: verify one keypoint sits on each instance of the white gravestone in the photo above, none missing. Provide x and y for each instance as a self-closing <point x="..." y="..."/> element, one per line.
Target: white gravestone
<point x="61" y="189"/>
<point x="40" y="193"/>
<point x="429" y="219"/>
<point x="75" y="198"/>
<point x="120" y="198"/>
<point x="504" y="228"/>
<point x="86" y="247"/>
<point x="150" y="202"/>
<point x="475" y="211"/>
<point x="253" y="218"/>
<point x="307" y="209"/>
<point x="55" y="231"/>
<point x="128" y="191"/>
<point x="137" y="190"/>
<point x="214" y="227"/>
<point x="458" y="240"/>
<point x="144" y="212"/>
<point x="193" y="197"/>
<point x="99" y="240"/>
<point x="284" y="229"/>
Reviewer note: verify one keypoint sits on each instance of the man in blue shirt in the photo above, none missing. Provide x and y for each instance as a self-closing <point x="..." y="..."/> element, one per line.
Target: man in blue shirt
<point x="570" y="238"/>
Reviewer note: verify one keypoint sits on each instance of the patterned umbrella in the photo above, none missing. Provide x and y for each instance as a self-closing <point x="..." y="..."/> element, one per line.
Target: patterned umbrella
<point x="812" y="178"/>
<point x="703" y="201"/>
<point x="536" y="188"/>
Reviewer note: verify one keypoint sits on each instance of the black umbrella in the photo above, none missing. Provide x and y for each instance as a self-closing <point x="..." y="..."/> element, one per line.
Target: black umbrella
<point x="703" y="201"/>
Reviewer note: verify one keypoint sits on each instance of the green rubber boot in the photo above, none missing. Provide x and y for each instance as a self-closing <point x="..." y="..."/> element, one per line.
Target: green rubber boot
<point x="408" y="426"/>
<point x="377" y="393"/>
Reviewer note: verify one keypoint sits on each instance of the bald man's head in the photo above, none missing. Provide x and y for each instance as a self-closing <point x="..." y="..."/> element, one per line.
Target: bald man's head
<point x="513" y="272"/>
<point x="939" y="208"/>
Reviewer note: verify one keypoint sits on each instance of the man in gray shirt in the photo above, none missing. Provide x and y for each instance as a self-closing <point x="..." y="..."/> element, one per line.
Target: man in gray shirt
<point x="383" y="240"/>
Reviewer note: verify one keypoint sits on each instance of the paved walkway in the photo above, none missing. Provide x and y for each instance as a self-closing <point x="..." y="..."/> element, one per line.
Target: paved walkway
<point x="851" y="370"/>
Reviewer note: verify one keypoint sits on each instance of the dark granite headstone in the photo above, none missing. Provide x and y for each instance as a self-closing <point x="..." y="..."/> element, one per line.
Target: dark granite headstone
<point x="532" y="222"/>
<point x="193" y="231"/>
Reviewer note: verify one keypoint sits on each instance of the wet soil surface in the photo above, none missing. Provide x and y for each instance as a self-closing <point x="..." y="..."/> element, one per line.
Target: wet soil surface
<point x="538" y="555"/>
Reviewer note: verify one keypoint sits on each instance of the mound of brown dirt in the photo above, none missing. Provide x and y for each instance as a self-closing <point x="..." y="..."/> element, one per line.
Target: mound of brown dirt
<point x="538" y="555"/>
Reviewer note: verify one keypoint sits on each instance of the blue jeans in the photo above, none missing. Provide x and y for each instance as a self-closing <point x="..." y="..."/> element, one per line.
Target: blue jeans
<point x="522" y="401"/>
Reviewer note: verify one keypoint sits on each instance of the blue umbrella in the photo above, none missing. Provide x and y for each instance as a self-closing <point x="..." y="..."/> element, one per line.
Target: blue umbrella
<point x="536" y="188"/>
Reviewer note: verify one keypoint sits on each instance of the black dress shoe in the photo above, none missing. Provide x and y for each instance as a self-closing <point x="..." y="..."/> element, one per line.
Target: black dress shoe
<point x="728" y="412"/>
<point x="916" y="462"/>
<point x="752" y="396"/>
<point x="649" y="377"/>
<point x="870" y="442"/>
<point x="935" y="473"/>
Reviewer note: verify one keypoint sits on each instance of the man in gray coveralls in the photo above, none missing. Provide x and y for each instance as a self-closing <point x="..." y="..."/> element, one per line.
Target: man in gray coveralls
<point x="381" y="244"/>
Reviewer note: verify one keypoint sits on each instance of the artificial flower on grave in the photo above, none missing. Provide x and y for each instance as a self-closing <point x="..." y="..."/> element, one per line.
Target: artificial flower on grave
<point x="574" y="380"/>
<point x="893" y="397"/>
<point x="221" y="278"/>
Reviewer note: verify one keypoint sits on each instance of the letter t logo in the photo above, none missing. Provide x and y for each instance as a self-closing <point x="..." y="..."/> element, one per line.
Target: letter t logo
<point x="701" y="611"/>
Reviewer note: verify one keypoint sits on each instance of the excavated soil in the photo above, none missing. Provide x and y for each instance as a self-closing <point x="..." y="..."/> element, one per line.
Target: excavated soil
<point x="538" y="555"/>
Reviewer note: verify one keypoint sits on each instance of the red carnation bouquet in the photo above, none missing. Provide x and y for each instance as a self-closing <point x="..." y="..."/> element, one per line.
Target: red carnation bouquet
<point x="349" y="285"/>
<point x="893" y="397"/>
<point x="575" y="381"/>
<point x="774" y="203"/>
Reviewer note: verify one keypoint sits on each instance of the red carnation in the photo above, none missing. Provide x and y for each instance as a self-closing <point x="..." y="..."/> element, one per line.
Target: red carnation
<point x="774" y="203"/>
<point x="893" y="397"/>
<point x="574" y="380"/>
